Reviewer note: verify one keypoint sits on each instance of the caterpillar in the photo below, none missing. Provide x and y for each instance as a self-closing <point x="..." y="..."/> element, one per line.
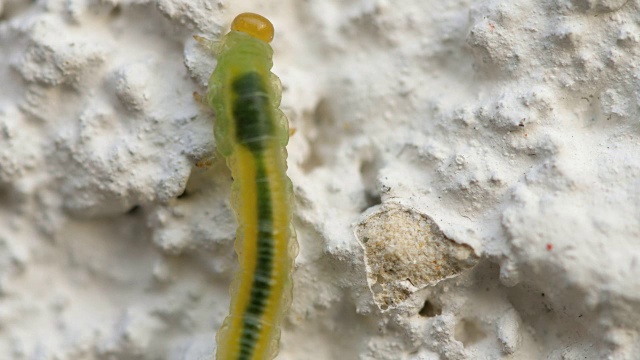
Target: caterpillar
<point x="251" y="132"/>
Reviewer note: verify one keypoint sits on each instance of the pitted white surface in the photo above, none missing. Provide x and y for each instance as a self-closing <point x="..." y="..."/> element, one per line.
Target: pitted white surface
<point x="514" y="125"/>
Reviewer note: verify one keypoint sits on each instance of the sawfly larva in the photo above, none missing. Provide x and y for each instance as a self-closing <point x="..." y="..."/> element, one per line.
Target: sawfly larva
<point x="251" y="133"/>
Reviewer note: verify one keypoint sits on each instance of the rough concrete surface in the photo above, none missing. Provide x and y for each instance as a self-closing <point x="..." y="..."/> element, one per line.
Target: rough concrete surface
<point x="513" y="126"/>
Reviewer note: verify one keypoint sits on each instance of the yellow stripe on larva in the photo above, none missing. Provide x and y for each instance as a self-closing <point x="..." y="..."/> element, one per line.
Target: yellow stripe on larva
<point x="251" y="133"/>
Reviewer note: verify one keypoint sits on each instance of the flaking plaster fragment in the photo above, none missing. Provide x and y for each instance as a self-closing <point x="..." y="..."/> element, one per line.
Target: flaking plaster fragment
<point x="406" y="251"/>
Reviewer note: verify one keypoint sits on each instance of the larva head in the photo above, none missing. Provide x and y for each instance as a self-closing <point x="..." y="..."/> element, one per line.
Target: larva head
<point x="255" y="25"/>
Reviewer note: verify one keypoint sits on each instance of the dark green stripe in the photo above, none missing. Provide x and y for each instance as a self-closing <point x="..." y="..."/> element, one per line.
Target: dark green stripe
<point x="252" y="111"/>
<point x="261" y="287"/>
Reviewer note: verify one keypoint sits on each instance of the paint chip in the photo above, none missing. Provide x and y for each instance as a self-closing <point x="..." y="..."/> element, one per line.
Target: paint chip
<point x="406" y="251"/>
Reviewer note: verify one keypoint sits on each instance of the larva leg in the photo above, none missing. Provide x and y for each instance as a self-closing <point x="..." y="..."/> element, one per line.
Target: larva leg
<point x="198" y="98"/>
<point x="206" y="162"/>
<point x="211" y="45"/>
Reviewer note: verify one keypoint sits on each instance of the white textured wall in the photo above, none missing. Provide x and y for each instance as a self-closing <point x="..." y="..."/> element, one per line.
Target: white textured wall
<point x="512" y="125"/>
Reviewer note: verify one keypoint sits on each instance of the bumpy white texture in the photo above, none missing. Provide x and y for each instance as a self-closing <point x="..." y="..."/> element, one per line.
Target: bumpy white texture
<point x="513" y="125"/>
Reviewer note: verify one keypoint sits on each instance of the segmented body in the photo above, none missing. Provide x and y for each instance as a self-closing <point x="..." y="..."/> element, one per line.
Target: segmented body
<point x="251" y="133"/>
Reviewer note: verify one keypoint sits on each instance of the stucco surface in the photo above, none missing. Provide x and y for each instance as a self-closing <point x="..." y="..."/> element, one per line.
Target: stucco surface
<point x="512" y="126"/>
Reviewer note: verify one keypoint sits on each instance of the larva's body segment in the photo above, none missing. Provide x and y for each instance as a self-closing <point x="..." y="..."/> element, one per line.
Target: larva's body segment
<point x="251" y="132"/>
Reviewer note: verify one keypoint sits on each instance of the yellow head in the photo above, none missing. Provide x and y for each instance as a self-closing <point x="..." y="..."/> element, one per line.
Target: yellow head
<point x="255" y="25"/>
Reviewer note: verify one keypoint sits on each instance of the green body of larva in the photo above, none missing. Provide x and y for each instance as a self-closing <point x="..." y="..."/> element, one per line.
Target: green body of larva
<point x="251" y="132"/>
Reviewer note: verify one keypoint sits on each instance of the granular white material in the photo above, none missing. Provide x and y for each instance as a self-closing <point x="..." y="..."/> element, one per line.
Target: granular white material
<point x="513" y="125"/>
